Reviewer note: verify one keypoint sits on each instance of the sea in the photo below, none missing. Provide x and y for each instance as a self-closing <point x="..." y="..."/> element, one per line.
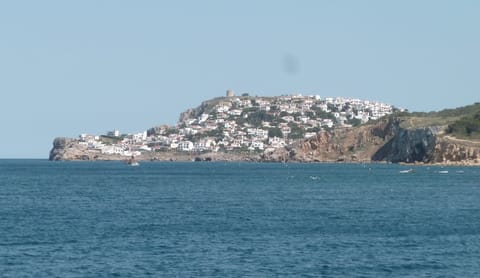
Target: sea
<point x="231" y="219"/>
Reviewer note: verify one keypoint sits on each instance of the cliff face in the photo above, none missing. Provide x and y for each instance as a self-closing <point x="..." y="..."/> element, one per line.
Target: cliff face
<point x="193" y="113"/>
<point x="451" y="150"/>
<point x="417" y="145"/>
<point x="70" y="149"/>
<point x="383" y="141"/>
<point x="65" y="149"/>
<point x="344" y="144"/>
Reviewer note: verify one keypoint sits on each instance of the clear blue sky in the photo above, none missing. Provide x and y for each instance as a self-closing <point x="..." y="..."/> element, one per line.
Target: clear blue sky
<point x="69" y="67"/>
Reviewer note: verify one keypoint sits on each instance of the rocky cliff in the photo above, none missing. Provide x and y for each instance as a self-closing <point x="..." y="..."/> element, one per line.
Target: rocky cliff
<point x="342" y="144"/>
<point x="70" y="149"/>
<point x="416" y="145"/>
<point x="193" y="113"/>
<point x="456" y="151"/>
<point x="384" y="141"/>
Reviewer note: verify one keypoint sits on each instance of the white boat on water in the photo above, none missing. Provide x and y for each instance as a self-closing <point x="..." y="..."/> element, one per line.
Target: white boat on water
<point x="443" y="172"/>
<point x="407" y="171"/>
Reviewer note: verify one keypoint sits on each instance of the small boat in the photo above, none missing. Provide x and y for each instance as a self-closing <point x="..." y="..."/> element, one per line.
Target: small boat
<point x="407" y="171"/>
<point x="443" y="172"/>
<point x="132" y="161"/>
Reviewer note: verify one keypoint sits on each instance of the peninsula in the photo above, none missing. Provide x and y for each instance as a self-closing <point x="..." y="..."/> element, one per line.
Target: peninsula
<point x="292" y="128"/>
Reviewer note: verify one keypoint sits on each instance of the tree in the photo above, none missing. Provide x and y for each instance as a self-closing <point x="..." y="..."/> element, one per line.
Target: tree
<point x="354" y="122"/>
<point x="314" y="129"/>
<point x="466" y="126"/>
<point x="310" y="114"/>
<point x="296" y="131"/>
<point x="256" y="118"/>
<point x="332" y="107"/>
<point x="324" y="115"/>
<point x="274" y="108"/>
<point x="216" y="133"/>
<point x="275" y="132"/>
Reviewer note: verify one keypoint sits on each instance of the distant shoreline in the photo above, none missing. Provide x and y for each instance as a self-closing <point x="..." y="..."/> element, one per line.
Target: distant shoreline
<point x="252" y="160"/>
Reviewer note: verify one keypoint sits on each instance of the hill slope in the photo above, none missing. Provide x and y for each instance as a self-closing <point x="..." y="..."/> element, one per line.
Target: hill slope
<point x="437" y="137"/>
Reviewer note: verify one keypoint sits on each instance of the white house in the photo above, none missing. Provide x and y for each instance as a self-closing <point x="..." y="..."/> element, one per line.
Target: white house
<point x="256" y="145"/>
<point x="310" y="134"/>
<point x="276" y="142"/>
<point x="185" y="146"/>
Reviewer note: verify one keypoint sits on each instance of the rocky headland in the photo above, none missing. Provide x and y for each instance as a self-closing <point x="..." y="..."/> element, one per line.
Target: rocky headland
<point x="383" y="141"/>
<point x="416" y="138"/>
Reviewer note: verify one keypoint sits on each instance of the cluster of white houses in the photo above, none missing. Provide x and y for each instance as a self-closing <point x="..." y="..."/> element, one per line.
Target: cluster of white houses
<point x="244" y="123"/>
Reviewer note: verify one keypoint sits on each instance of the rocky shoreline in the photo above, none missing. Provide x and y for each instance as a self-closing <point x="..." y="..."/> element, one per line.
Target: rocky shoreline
<point x="384" y="141"/>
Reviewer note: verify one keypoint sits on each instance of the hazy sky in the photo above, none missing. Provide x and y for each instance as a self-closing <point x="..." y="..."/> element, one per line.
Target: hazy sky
<point x="71" y="67"/>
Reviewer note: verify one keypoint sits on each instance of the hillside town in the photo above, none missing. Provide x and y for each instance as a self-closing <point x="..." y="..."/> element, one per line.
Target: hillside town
<point x="242" y="123"/>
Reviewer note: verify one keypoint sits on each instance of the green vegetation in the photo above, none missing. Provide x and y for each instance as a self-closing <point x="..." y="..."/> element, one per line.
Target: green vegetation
<point x="332" y="107"/>
<point x="110" y="140"/>
<point x="462" y="122"/>
<point x="354" y="122"/>
<point x="467" y="127"/>
<point x="275" y="132"/>
<point x="314" y="129"/>
<point x="323" y="115"/>
<point x="170" y="131"/>
<point x="216" y="133"/>
<point x="296" y="131"/>
<point x="256" y="118"/>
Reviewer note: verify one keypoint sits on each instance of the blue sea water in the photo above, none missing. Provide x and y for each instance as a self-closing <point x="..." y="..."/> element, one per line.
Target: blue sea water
<point x="106" y="219"/>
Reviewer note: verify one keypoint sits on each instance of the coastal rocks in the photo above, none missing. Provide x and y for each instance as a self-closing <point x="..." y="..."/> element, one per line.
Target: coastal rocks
<point x="59" y="148"/>
<point x="279" y="155"/>
<point x="426" y="145"/>
<point x="453" y="151"/>
<point x="384" y="141"/>
<point x="70" y="149"/>
<point x="351" y="144"/>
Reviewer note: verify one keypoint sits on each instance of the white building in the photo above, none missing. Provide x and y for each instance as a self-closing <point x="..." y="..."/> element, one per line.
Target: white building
<point x="256" y="145"/>
<point x="185" y="146"/>
<point x="115" y="133"/>
<point x="276" y="142"/>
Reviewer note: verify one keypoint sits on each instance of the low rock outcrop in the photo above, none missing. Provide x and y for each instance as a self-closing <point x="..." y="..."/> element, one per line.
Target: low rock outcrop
<point x="456" y="151"/>
<point x="69" y="149"/>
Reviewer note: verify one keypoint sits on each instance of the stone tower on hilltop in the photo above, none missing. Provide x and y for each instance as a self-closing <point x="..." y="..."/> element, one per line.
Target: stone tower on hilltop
<point x="230" y="93"/>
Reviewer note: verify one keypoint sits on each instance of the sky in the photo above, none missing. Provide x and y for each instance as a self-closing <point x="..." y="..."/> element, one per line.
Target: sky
<point x="90" y="66"/>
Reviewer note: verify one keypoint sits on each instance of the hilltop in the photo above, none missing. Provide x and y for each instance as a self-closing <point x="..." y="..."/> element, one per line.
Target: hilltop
<point x="294" y="128"/>
<point x="462" y="122"/>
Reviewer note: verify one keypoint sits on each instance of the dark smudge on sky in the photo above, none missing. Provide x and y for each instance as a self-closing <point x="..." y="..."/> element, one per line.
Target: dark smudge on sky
<point x="291" y="64"/>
